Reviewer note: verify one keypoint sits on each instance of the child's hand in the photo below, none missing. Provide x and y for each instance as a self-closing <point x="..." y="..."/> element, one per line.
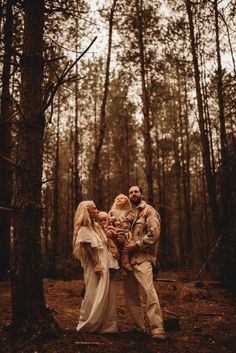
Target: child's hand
<point x="129" y="217"/>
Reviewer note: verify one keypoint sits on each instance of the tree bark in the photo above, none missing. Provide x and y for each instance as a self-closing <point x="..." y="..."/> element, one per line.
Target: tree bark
<point x="5" y="145"/>
<point x="30" y="317"/>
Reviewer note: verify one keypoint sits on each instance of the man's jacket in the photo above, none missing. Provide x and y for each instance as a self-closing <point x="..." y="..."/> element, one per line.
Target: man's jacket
<point x="145" y="230"/>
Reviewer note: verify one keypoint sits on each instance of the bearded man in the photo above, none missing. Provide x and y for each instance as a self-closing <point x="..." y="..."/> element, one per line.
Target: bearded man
<point x="142" y="250"/>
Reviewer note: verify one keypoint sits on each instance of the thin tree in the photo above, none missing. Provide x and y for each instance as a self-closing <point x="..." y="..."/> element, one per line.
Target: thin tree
<point x="211" y="187"/>
<point x="225" y="179"/>
<point x="54" y="245"/>
<point x="145" y="102"/>
<point x="76" y="148"/>
<point x="96" y="173"/>
<point x="5" y="144"/>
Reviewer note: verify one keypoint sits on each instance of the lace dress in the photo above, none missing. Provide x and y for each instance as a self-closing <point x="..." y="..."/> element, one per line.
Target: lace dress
<point x="98" y="308"/>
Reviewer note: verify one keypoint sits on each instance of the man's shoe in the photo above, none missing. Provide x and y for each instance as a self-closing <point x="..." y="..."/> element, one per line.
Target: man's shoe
<point x="159" y="336"/>
<point x="140" y="329"/>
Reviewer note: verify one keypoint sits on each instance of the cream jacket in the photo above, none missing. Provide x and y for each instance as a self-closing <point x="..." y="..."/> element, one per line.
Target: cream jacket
<point x="145" y="232"/>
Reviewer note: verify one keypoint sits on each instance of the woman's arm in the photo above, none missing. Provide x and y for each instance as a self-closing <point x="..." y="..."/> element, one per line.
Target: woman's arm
<point x="92" y="258"/>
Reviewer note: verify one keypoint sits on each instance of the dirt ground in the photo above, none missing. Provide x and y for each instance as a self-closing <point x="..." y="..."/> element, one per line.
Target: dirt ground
<point x="206" y="314"/>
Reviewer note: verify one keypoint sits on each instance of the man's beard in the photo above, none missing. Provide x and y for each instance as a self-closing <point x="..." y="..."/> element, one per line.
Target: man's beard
<point x="135" y="202"/>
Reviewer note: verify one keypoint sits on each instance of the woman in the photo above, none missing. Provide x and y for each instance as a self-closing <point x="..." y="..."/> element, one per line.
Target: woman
<point x="98" y="308"/>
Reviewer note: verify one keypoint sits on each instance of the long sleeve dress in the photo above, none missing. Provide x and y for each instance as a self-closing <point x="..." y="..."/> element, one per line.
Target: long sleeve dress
<point x="98" y="308"/>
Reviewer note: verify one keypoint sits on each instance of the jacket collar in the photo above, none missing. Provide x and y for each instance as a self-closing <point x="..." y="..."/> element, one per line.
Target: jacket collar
<point x="140" y="206"/>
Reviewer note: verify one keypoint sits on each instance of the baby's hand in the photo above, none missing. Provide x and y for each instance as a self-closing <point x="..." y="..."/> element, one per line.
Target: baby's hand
<point x="109" y="234"/>
<point x="98" y="269"/>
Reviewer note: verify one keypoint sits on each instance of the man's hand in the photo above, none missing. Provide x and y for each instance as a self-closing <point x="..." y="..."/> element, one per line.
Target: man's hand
<point x="131" y="246"/>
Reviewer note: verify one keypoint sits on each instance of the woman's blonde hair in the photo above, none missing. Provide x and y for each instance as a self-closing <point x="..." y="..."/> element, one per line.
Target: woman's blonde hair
<point x="82" y="217"/>
<point x="126" y="206"/>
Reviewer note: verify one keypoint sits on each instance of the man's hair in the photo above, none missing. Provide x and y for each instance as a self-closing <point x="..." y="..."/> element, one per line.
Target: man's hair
<point x="140" y="188"/>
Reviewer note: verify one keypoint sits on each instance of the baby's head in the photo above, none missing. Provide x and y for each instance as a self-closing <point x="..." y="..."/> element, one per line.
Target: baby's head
<point x="103" y="219"/>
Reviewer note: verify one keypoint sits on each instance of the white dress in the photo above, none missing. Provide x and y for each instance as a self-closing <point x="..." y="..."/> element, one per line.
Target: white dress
<point x="98" y="308"/>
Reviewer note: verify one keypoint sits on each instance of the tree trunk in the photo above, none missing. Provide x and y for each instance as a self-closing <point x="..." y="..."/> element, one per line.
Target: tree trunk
<point x="54" y="245"/>
<point x="46" y="228"/>
<point x="146" y="104"/>
<point x="96" y="172"/>
<point x="127" y="154"/>
<point x="225" y="172"/>
<point x="76" y="177"/>
<point x="204" y="137"/>
<point x="5" y="146"/>
<point x="30" y="317"/>
<point x="186" y="177"/>
<point x="178" y="194"/>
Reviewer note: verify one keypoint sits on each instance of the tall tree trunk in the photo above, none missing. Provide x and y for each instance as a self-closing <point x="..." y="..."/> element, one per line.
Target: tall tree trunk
<point x="96" y="172"/>
<point x="76" y="176"/>
<point x="54" y="245"/>
<point x="164" y="259"/>
<point x="46" y="228"/>
<point x="29" y="314"/>
<point x="211" y="188"/>
<point x="225" y="173"/>
<point x="69" y="221"/>
<point x="178" y="196"/>
<point x="146" y="104"/>
<point x="229" y="40"/>
<point x="5" y="145"/>
<point x="127" y="154"/>
<point x="186" y="175"/>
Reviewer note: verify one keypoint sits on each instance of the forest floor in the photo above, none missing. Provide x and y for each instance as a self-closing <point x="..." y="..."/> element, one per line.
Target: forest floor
<point x="206" y="314"/>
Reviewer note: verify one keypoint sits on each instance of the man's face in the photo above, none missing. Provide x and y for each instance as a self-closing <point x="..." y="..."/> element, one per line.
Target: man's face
<point x="135" y="195"/>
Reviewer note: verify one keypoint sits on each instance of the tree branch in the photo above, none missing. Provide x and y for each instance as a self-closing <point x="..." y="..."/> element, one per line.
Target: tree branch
<point x="6" y="209"/>
<point x="47" y="180"/>
<point x="61" y="80"/>
<point x="8" y="160"/>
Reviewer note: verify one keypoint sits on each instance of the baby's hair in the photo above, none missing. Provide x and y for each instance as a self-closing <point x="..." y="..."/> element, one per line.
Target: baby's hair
<point x="102" y="214"/>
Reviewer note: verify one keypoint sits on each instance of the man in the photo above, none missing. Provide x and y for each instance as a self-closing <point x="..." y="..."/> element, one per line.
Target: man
<point x="143" y="251"/>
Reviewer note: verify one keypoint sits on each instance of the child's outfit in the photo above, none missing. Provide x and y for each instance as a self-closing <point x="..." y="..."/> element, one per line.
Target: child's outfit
<point x="110" y="233"/>
<point x="122" y="221"/>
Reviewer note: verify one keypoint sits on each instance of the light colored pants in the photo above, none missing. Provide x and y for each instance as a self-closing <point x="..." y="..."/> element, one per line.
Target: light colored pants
<point x="139" y="282"/>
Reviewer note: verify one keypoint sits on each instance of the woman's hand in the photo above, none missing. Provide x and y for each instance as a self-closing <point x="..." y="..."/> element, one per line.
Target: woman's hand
<point x="98" y="269"/>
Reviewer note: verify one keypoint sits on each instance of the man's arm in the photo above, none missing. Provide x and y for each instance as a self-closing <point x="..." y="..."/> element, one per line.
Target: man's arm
<point x="153" y="228"/>
<point x="153" y="232"/>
